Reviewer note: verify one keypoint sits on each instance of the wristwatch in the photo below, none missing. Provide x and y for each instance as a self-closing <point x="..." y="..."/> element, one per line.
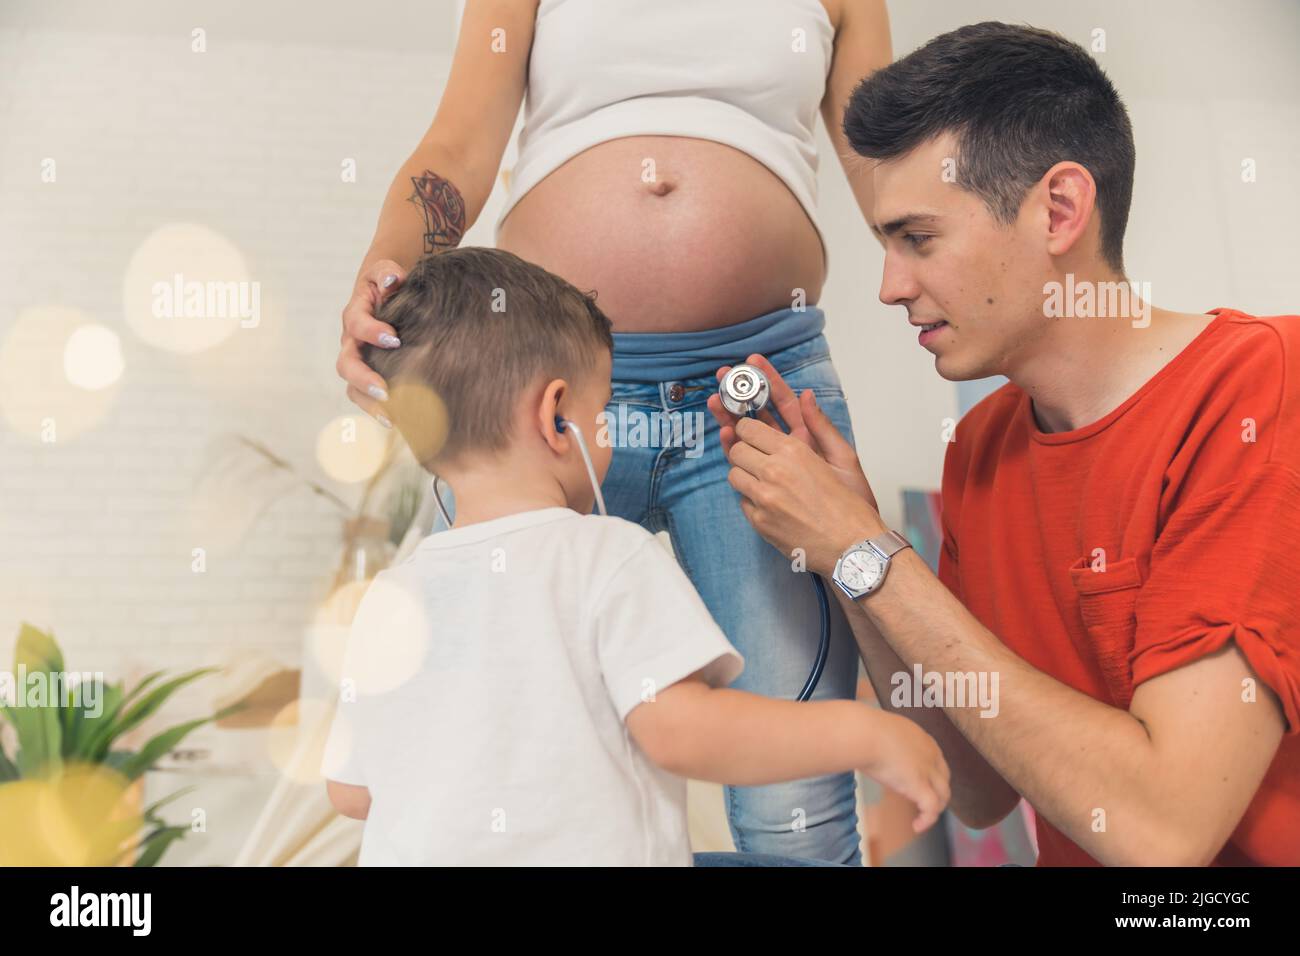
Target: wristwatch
<point x="861" y="569"/>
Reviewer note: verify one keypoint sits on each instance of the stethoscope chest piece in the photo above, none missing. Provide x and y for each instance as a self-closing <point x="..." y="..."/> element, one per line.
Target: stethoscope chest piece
<point x="744" y="390"/>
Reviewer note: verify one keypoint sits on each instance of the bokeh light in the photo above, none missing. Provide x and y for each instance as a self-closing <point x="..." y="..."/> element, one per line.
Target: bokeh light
<point x="92" y="357"/>
<point x="37" y="398"/>
<point x="351" y="448"/>
<point x="424" y="417"/>
<point x="392" y="638"/>
<point x="188" y="288"/>
<point x="82" y="815"/>
<point x="296" y="738"/>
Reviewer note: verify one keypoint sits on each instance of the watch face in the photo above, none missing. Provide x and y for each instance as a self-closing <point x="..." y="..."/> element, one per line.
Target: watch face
<point x="861" y="569"/>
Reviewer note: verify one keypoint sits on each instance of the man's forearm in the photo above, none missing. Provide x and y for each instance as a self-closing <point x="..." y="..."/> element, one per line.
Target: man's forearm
<point x="980" y="797"/>
<point x="1067" y="753"/>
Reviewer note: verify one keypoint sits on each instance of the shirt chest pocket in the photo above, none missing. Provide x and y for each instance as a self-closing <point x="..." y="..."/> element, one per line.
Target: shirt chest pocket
<point x="1108" y="610"/>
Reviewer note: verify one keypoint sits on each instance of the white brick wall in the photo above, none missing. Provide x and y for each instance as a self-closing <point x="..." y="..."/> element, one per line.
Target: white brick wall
<point x="246" y="139"/>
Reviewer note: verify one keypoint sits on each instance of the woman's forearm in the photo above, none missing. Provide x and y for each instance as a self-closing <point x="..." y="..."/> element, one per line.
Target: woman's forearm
<point x="433" y="200"/>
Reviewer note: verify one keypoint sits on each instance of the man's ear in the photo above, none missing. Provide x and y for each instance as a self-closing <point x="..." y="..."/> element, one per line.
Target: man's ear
<point x="1070" y="194"/>
<point x="547" y="411"/>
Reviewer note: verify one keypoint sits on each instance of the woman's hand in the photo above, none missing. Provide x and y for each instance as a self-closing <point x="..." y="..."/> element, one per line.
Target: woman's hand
<point x="365" y="387"/>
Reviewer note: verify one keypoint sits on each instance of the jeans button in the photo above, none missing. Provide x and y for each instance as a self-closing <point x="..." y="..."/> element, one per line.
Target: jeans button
<point x="675" y="391"/>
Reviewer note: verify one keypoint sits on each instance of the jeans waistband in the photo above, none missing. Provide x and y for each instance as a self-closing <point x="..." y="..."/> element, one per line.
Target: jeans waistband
<point x="663" y="356"/>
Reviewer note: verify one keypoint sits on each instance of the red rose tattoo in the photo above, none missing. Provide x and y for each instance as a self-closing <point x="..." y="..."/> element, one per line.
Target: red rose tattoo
<point x="444" y="211"/>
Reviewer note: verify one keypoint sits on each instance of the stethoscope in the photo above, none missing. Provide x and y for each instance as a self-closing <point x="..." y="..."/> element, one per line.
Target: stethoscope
<point x="744" y="391"/>
<point x="561" y="425"/>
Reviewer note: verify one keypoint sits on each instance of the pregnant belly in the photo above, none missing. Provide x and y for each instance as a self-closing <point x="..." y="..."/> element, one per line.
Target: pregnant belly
<point x="716" y="238"/>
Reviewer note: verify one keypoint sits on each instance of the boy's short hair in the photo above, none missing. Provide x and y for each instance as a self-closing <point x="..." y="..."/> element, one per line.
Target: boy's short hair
<point x="1019" y="100"/>
<point x="478" y="326"/>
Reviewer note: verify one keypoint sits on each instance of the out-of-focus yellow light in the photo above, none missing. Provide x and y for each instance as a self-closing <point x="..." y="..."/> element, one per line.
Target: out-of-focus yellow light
<point x="424" y="417"/>
<point x="37" y="397"/>
<point x="83" y="815"/>
<point x="92" y="357"/>
<point x="329" y="630"/>
<point x="296" y="739"/>
<point x="351" y="448"/>
<point x="188" y="288"/>
<point x="341" y="729"/>
<point x="390" y="641"/>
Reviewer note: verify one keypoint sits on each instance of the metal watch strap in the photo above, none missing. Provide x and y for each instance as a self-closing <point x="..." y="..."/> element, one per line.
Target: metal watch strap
<point x="890" y="543"/>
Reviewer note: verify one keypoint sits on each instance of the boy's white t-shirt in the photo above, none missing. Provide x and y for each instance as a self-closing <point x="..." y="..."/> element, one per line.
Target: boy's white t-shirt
<point x="484" y="688"/>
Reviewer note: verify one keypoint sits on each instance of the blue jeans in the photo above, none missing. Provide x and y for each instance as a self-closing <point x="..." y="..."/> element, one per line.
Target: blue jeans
<point x="766" y="609"/>
<point x="761" y="859"/>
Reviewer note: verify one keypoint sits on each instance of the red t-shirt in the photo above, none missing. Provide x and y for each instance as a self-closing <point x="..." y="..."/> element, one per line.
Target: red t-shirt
<point x="1198" y="526"/>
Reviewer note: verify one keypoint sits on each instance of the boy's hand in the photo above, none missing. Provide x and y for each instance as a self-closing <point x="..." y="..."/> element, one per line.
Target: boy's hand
<point x="910" y="762"/>
<point x="349" y="799"/>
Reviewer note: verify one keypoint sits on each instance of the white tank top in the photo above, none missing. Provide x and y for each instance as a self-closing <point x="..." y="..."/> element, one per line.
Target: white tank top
<point x="747" y="73"/>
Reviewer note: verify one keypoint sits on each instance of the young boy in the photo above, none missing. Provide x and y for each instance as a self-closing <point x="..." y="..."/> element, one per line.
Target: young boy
<point x="532" y="685"/>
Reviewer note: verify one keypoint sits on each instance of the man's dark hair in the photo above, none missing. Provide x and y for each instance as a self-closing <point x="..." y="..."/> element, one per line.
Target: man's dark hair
<point x="1019" y="100"/>
<point x="478" y="326"/>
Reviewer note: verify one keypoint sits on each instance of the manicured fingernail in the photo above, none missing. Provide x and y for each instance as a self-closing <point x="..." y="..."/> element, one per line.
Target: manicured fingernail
<point x="377" y="393"/>
<point x="383" y="421"/>
<point x="389" y="341"/>
<point x="388" y="280"/>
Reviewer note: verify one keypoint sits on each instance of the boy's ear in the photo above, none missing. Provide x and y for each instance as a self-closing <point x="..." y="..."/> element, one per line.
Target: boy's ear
<point x="549" y="419"/>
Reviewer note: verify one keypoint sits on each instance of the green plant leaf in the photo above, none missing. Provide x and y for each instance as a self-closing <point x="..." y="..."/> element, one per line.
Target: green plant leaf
<point x="117" y="760"/>
<point x="31" y="738"/>
<point x="151" y="811"/>
<point x="151" y="818"/>
<point x="7" y="769"/>
<point x="70" y="715"/>
<point x="74" y="717"/>
<point x="153" y="845"/>
<point x="164" y="743"/>
<point x="39" y="739"/>
<point x="37" y="651"/>
<point x="95" y="734"/>
<point x="39" y="728"/>
<point x="102" y="733"/>
<point x="139" y="688"/>
<point x="147" y="705"/>
<point x="50" y="717"/>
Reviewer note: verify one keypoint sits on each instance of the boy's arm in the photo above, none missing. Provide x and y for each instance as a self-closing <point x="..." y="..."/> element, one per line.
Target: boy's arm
<point x="349" y="799"/>
<point x="734" y="737"/>
<point x="981" y="798"/>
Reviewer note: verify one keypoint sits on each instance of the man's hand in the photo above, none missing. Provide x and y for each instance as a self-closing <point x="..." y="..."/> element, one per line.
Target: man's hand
<point x="798" y="412"/>
<point x="805" y="489"/>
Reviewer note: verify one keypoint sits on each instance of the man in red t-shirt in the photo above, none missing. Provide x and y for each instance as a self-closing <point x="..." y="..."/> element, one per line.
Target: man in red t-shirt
<point x="1114" y="633"/>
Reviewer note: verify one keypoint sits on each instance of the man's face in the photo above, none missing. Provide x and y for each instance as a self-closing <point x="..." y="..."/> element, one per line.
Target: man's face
<point x="948" y="261"/>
